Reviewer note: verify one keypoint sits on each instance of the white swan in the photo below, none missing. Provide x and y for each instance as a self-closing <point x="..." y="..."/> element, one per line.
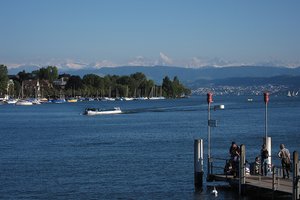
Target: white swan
<point x="214" y="191"/>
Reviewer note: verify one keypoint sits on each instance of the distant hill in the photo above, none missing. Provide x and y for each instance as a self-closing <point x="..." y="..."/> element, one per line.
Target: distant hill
<point x="290" y="81"/>
<point x="194" y="77"/>
<point x="188" y="75"/>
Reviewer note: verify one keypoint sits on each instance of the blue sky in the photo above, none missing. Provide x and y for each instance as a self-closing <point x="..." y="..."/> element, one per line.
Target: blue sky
<point x="192" y="33"/>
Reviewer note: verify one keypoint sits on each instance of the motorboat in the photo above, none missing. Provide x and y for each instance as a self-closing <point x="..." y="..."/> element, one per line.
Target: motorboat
<point x="72" y="100"/>
<point x="108" y="99"/>
<point x="128" y="98"/>
<point x="43" y="100"/>
<point x="97" y="111"/>
<point x="58" y="101"/>
<point x="156" y="98"/>
<point x="24" y="103"/>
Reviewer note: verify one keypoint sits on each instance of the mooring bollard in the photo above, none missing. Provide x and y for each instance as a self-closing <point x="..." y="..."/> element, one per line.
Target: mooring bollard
<point x="268" y="142"/>
<point x="198" y="164"/>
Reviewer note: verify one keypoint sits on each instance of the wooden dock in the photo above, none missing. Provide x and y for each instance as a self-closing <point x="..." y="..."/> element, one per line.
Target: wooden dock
<point x="272" y="184"/>
<point x="284" y="186"/>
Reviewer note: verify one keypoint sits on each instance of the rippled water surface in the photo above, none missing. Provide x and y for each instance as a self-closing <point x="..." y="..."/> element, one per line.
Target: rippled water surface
<point x="52" y="151"/>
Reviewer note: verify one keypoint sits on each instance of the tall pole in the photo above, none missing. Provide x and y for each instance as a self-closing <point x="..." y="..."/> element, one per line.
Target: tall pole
<point x="198" y="164"/>
<point x="209" y="101"/>
<point x="266" y="99"/>
<point x="267" y="140"/>
<point x="242" y="170"/>
<point x="296" y="177"/>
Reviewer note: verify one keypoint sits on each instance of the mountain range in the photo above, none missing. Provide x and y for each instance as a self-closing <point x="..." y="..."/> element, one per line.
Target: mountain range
<point x="195" y="77"/>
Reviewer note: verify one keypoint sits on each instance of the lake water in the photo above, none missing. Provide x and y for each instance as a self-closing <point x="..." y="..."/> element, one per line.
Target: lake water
<point x="52" y="151"/>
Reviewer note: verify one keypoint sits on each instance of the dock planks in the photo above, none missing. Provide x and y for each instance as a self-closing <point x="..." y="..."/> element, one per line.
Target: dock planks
<point x="262" y="182"/>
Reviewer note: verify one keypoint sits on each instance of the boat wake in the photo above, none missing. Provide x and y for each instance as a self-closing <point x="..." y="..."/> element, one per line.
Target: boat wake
<point x="162" y="109"/>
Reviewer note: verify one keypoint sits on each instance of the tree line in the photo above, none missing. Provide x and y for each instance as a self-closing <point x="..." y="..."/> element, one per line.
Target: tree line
<point x="92" y="85"/>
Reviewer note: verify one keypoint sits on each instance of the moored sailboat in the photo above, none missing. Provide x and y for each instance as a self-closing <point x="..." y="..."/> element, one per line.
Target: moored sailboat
<point x="24" y="103"/>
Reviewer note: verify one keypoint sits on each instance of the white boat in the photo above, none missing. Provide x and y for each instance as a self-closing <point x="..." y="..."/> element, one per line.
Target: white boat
<point x="108" y="99"/>
<point x="11" y="101"/>
<point x="128" y="99"/>
<point x="96" y="111"/>
<point x="58" y="101"/>
<point x="156" y="98"/>
<point x="141" y="98"/>
<point x="36" y="101"/>
<point x="24" y="103"/>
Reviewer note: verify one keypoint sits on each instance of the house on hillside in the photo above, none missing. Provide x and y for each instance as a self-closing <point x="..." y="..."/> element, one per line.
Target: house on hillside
<point x="61" y="81"/>
<point x="35" y="88"/>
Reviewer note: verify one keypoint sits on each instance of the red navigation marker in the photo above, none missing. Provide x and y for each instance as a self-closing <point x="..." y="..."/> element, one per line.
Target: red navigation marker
<point x="209" y="98"/>
<point x="266" y="97"/>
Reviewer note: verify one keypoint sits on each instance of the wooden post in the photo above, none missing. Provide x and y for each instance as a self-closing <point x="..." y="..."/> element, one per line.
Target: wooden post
<point x="198" y="164"/>
<point x="296" y="176"/>
<point x="209" y="101"/>
<point x="242" y="170"/>
<point x="274" y="178"/>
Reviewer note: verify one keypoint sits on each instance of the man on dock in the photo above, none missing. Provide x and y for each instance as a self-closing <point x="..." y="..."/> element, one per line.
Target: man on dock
<point x="264" y="159"/>
<point x="284" y="155"/>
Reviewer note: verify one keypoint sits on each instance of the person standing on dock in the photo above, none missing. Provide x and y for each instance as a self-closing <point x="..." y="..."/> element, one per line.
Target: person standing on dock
<point x="235" y="155"/>
<point x="284" y="155"/>
<point x="264" y="160"/>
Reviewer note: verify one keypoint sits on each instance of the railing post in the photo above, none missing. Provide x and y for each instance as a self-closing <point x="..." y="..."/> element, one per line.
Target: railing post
<point x="295" y="175"/>
<point x="242" y="170"/>
<point x="198" y="164"/>
<point x="273" y="178"/>
<point x="211" y="166"/>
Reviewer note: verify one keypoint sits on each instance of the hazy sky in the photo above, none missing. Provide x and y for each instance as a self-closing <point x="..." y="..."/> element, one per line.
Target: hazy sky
<point x="191" y="33"/>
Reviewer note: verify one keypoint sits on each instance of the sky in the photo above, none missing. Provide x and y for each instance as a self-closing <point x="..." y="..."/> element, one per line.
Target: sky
<point x="190" y="33"/>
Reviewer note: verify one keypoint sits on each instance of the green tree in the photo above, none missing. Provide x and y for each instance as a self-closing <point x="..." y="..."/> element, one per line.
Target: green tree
<point x="174" y="89"/>
<point x="92" y="80"/>
<point x="50" y="73"/>
<point x="138" y="83"/>
<point x="93" y="84"/>
<point x="17" y="88"/>
<point x="167" y="87"/>
<point x="178" y="88"/>
<point x="149" y="86"/>
<point x="24" y="76"/>
<point x="74" y="82"/>
<point x="3" y="79"/>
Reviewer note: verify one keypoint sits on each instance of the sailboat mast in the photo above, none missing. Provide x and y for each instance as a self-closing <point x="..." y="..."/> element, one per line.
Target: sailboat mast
<point x="22" y="90"/>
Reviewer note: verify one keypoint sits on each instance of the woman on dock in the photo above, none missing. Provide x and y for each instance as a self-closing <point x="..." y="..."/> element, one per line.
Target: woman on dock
<point x="235" y="155"/>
